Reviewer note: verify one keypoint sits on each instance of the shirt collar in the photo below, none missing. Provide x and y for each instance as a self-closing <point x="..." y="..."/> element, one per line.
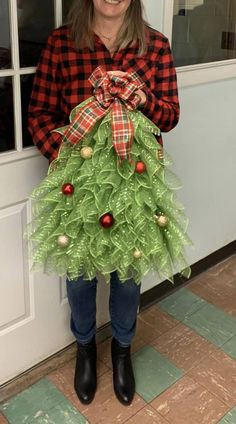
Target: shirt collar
<point x="96" y="38"/>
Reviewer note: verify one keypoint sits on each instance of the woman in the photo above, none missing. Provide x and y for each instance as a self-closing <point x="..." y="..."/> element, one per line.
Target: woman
<point x="111" y="33"/>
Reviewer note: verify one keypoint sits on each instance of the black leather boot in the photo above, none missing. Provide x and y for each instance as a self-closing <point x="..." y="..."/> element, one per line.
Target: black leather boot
<point x="85" y="379"/>
<point x="123" y="376"/>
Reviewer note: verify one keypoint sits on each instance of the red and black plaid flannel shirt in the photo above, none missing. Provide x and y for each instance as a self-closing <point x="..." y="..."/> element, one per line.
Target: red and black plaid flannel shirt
<point x="61" y="83"/>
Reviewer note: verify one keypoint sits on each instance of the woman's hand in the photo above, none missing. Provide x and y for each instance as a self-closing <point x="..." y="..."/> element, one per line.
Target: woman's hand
<point x="117" y="73"/>
<point x="141" y="93"/>
<point x="142" y="96"/>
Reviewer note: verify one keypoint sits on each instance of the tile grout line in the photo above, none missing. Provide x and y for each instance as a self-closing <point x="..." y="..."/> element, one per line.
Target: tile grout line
<point x="213" y="394"/>
<point x="210" y="303"/>
<point x="197" y="310"/>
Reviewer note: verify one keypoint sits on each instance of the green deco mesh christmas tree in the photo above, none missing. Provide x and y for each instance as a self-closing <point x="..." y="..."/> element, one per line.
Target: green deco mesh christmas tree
<point x="94" y="212"/>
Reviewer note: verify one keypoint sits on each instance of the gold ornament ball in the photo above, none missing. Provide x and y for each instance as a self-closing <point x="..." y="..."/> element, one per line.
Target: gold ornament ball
<point x="160" y="154"/>
<point x="63" y="240"/>
<point x="162" y="220"/>
<point x="137" y="254"/>
<point x="86" y="152"/>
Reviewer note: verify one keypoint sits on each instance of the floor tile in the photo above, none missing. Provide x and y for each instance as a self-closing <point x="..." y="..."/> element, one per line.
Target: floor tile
<point x="63" y="413"/>
<point x="34" y="402"/>
<point x="232" y="264"/>
<point x="230" y="347"/>
<point x="225" y="266"/>
<point x="63" y="379"/>
<point x="181" y="304"/>
<point x="147" y="415"/>
<point x="217" y="374"/>
<point x="103" y="352"/>
<point x="3" y="420"/>
<point x="213" y="324"/>
<point x="228" y="305"/>
<point x="186" y="401"/>
<point x="153" y="322"/>
<point x="183" y="347"/>
<point x="153" y="372"/>
<point x="220" y="290"/>
<point x="209" y="285"/>
<point x="105" y="408"/>
<point x="229" y="418"/>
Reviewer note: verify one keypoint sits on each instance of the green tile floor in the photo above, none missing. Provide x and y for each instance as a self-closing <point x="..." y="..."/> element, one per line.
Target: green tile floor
<point x="41" y="403"/>
<point x="44" y="403"/>
<point x="229" y="418"/>
<point x="181" y="304"/>
<point x="153" y="372"/>
<point x="210" y="322"/>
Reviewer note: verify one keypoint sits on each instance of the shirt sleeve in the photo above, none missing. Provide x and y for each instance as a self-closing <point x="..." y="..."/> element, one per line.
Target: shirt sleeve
<point x="162" y="105"/>
<point x="44" y="112"/>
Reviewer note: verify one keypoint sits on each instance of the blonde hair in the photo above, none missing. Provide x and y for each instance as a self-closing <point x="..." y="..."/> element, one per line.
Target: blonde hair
<point x="80" y="18"/>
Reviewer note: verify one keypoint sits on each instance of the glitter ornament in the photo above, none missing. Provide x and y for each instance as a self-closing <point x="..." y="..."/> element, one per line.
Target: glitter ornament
<point x="160" y="154"/>
<point x="86" y="152"/>
<point x="63" y="240"/>
<point x="137" y="254"/>
<point x="67" y="189"/>
<point x="140" y="167"/>
<point x="162" y="220"/>
<point x="107" y="220"/>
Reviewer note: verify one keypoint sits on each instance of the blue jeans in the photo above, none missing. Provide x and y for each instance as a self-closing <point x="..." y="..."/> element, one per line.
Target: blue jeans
<point x="123" y="306"/>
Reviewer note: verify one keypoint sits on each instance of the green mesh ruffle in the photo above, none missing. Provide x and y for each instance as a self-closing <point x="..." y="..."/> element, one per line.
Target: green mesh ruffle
<point x="102" y="186"/>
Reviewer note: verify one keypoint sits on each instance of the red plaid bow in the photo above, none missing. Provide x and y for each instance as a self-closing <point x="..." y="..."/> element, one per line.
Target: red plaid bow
<point x="110" y="93"/>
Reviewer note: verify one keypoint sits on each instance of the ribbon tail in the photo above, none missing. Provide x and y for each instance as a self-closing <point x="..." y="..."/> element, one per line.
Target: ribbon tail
<point x="84" y="121"/>
<point x="122" y="131"/>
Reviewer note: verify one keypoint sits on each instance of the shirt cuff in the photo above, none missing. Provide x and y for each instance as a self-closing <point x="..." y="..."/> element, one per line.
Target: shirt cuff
<point x="148" y="107"/>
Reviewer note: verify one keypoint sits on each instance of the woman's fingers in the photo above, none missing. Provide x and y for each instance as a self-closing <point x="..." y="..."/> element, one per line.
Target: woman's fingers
<point x="141" y="93"/>
<point x="117" y="73"/>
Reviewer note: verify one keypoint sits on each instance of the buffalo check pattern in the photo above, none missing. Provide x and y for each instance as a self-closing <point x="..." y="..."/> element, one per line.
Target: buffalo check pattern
<point x="61" y="82"/>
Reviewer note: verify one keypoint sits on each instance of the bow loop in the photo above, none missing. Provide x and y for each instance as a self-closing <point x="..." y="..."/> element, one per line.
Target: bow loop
<point x="114" y="90"/>
<point x="113" y="93"/>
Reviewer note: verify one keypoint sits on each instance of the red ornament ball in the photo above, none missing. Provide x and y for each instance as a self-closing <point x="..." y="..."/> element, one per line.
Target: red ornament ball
<point x="140" y="167"/>
<point x="67" y="189"/>
<point x="106" y="220"/>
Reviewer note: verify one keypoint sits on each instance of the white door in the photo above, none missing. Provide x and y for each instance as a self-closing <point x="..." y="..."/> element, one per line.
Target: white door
<point x="34" y="311"/>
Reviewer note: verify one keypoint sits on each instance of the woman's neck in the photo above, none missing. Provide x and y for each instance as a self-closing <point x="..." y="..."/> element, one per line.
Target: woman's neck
<point x="107" y="27"/>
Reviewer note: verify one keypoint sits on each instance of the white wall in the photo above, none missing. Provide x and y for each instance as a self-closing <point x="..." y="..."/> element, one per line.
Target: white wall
<point x="203" y="147"/>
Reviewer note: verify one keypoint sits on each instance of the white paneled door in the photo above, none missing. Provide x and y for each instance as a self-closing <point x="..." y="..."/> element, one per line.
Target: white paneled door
<point x="34" y="311"/>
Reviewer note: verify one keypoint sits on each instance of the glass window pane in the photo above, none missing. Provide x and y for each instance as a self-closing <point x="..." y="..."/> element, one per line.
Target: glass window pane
<point x="6" y="115"/>
<point x="5" y="48"/>
<point x="66" y="4"/>
<point x="26" y="88"/>
<point x="35" y="22"/>
<point x="203" y="31"/>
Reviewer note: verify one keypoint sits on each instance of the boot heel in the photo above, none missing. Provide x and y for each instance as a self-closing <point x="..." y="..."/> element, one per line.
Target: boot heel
<point x="85" y="378"/>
